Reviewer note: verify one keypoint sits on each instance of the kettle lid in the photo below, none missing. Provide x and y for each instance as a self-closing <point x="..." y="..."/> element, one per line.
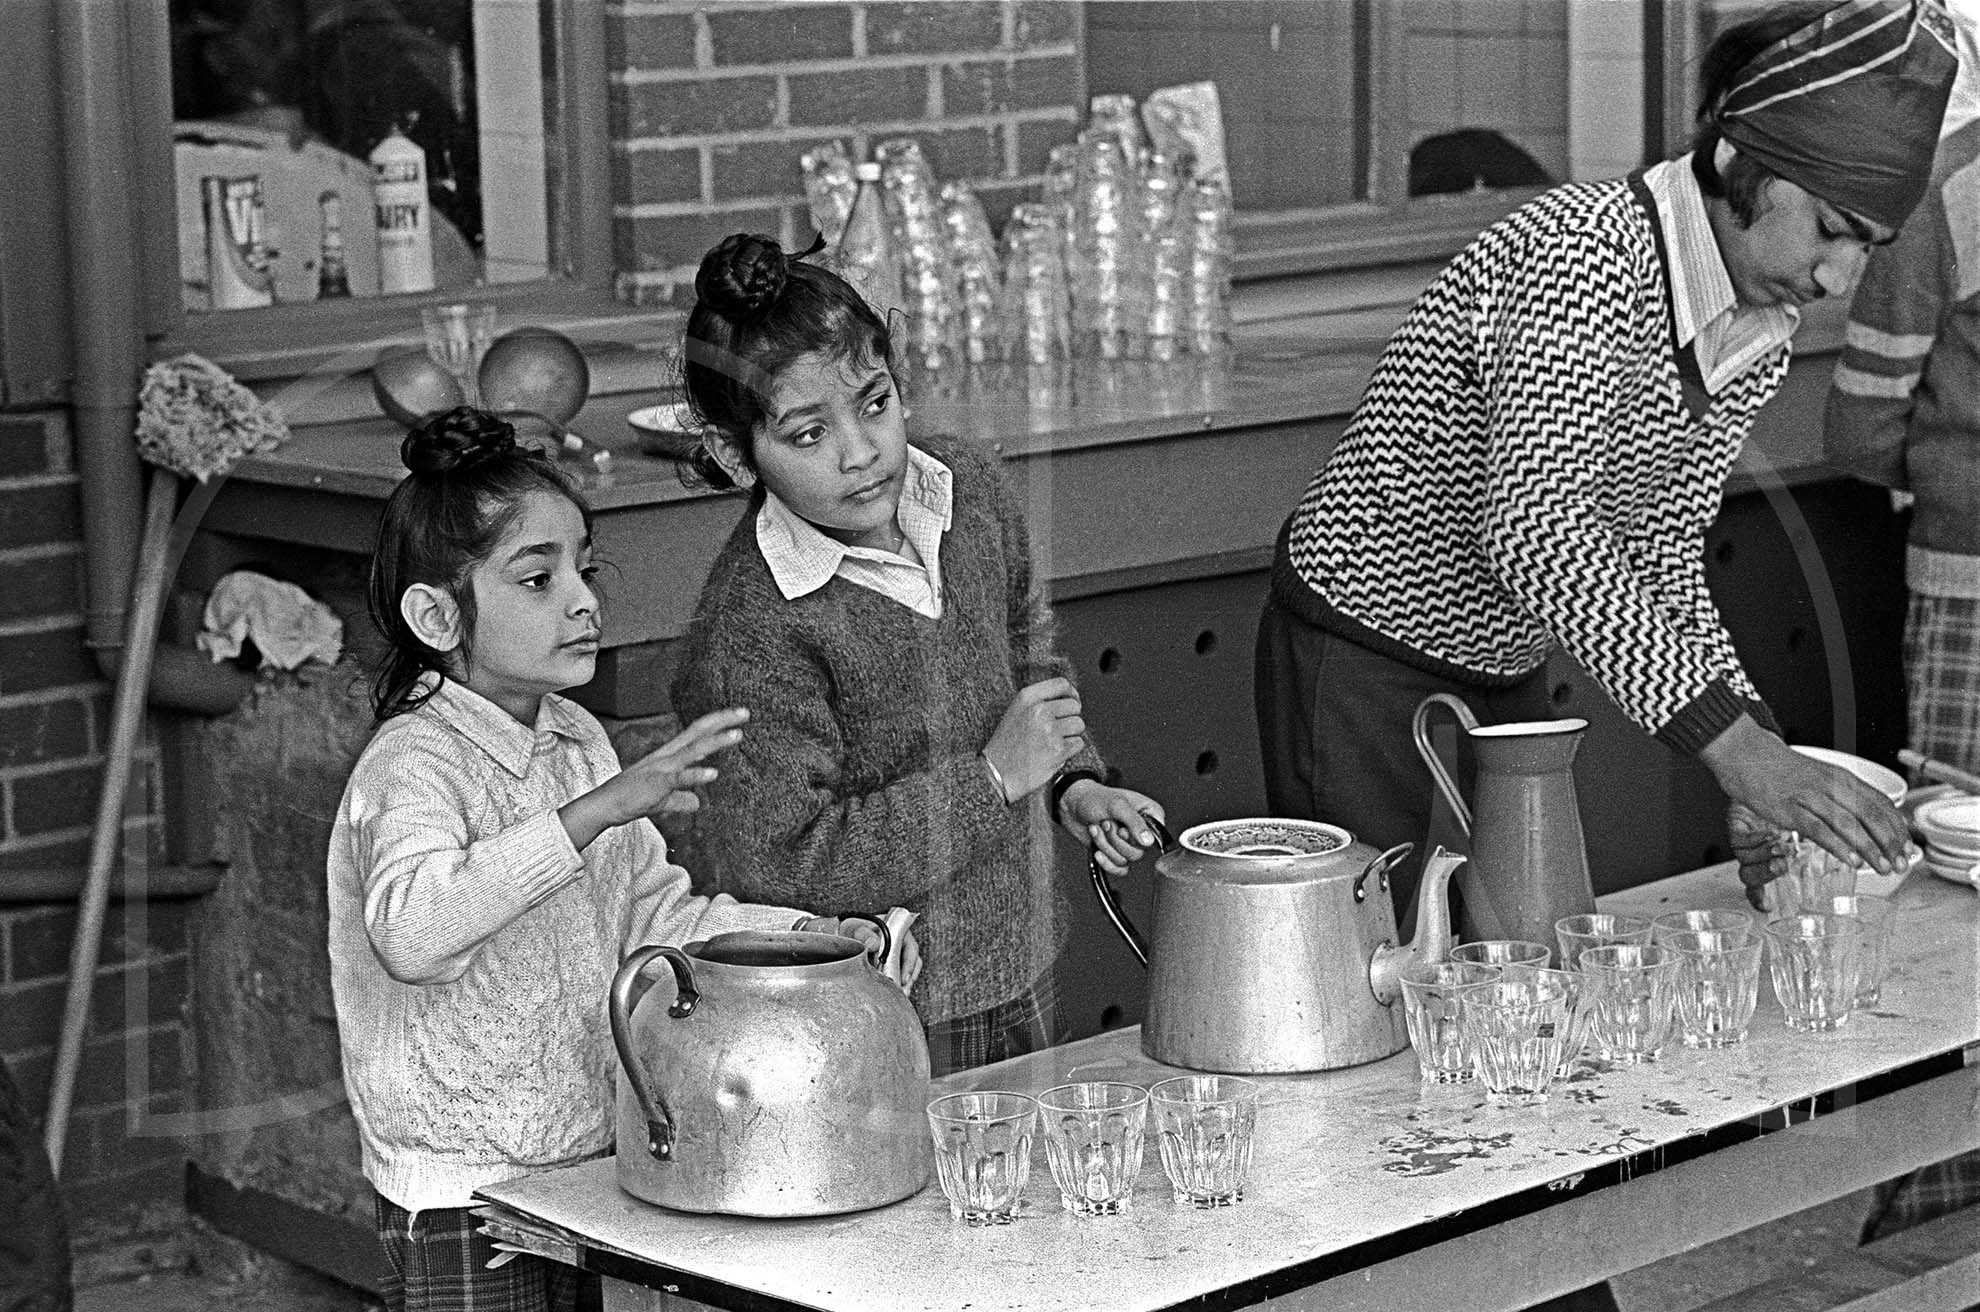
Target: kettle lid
<point x="1263" y="851"/>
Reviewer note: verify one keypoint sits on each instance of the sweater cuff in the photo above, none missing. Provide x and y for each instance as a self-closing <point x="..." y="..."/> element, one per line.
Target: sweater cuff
<point x="1704" y="718"/>
<point x="539" y="854"/>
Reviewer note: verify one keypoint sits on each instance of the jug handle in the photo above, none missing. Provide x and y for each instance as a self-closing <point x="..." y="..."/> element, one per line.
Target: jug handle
<point x="874" y="958"/>
<point x="653" y="1103"/>
<point x="1419" y="729"/>
<point x="1380" y="867"/>
<point x="1111" y="904"/>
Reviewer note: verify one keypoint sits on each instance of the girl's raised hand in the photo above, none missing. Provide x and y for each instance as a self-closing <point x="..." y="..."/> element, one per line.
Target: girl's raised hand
<point x="1111" y="821"/>
<point x="659" y="781"/>
<point x="1041" y="730"/>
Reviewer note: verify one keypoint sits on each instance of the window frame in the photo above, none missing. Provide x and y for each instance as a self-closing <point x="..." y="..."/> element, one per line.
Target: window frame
<point x="287" y="341"/>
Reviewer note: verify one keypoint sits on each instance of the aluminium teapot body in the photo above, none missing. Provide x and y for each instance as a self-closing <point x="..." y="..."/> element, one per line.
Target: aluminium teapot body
<point x="781" y="1074"/>
<point x="1274" y="947"/>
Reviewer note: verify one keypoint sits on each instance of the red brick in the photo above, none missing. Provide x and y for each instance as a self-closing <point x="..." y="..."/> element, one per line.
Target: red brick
<point x="56" y="799"/>
<point x="69" y="852"/>
<point x="44" y="731"/>
<point x="1046" y="23"/>
<point x="44" y="512"/>
<point x="649" y="41"/>
<point x="31" y="1014"/>
<point x="102" y="1077"/>
<point x="40" y="585"/>
<point x="781" y="36"/>
<point x="760" y="168"/>
<point x="685" y="238"/>
<point x="39" y="937"/>
<point x="964" y="152"/>
<point x="23" y="446"/>
<point x="658" y="175"/>
<point x="50" y="658"/>
<point x="695" y="106"/>
<point x="1035" y="140"/>
<point x="994" y="86"/>
<point x="941" y="26"/>
<point x="869" y="95"/>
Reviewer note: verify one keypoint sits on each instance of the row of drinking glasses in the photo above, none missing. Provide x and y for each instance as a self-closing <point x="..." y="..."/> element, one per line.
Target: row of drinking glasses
<point x="1093" y="1132"/>
<point x="1496" y="1010"/>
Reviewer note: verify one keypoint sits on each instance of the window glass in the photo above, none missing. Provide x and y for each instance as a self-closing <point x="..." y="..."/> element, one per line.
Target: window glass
<point x="1357" y="100"/>
<point x="325" y="148"/>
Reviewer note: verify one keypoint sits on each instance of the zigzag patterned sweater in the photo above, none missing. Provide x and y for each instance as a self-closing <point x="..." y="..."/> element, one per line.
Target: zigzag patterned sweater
<point x="1523" y="469"/>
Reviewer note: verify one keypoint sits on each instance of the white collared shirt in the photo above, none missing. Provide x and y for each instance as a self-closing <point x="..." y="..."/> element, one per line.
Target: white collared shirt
<point x="1724" y="336"/>
<point x="802" y="558"/>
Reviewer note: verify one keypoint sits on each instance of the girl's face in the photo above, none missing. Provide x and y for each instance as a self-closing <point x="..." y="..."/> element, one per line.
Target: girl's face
<point x="536" y="622"/>
<point x="833" y="445"/>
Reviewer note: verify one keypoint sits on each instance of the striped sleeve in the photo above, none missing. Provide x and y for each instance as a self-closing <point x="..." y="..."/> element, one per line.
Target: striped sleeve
<point x="1893" y="323"/>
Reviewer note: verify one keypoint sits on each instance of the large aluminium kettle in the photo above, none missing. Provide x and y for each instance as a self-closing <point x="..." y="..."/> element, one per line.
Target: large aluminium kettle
<point x="782" y="1075"/>
<point x="1275" y="947"/>
<point x="1529" y="863"/>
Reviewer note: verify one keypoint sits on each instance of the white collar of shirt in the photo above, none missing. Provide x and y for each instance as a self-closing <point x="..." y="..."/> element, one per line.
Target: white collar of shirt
<point x="508" y="742"/>
<point x="1724" y="337"/>
<point x="802" y="559"/>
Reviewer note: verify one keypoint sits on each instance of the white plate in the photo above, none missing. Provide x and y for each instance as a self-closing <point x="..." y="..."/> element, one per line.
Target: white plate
<point x="1888" y="782"/>
<point x="1958" y="874"/>
<point x="1955" y="818"/>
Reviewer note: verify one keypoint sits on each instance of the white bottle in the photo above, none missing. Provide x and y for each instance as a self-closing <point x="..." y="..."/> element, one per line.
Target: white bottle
<point x="405" y="230"/>
<point x="865" y="255"/>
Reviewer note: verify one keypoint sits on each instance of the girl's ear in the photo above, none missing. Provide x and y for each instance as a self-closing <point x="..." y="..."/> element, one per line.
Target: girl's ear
<point x="433" y="616"/>
<point x="728" y="454"/>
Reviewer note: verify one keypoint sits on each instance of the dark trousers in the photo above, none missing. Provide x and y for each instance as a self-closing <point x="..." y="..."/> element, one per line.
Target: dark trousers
<point x="1334" y="731"/>
<point x="34" y="1231"/>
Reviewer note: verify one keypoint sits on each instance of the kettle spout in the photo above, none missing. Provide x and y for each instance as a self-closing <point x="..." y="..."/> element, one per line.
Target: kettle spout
<point x="1433" y="929"/>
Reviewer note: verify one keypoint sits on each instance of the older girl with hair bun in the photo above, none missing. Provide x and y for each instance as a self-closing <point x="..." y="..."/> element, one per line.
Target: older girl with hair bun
<point x="490" y="863"/>
<point x="913" y="733"/>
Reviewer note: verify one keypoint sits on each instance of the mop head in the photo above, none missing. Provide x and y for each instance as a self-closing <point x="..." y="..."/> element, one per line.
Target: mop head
<point x="196" y="421"/>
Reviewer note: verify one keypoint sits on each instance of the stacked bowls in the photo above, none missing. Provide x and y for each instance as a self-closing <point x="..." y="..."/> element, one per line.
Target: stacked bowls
<point x="1950" y="828"/>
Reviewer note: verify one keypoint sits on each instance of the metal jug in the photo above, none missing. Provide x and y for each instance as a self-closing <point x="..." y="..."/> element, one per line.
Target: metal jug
<point x="1529" y="864"/>
<point x="1275" y="947"/>
<point x="784" y="1076"/>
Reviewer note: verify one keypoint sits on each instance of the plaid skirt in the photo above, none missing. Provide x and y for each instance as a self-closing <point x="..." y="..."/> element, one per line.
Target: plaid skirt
<point x="438" y="1262"/>
<point x="1942" y="687"/>
<point x="1023" y="1025"/>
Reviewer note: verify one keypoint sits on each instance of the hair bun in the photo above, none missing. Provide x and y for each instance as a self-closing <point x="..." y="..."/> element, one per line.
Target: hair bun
<point x="454" y="440"/>
<point x="742" y="278"/>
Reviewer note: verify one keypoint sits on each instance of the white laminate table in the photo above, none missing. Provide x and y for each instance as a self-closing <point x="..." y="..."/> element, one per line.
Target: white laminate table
<point x="1369" y="1189"/>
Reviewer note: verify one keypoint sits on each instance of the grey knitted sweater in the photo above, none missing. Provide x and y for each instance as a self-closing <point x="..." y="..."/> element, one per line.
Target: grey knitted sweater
<point x="857" y="785"/>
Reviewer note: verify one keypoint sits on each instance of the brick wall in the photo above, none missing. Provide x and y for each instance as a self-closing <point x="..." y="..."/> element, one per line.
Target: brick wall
<point x="712" y="105"/>
<point x="54" y="720"/>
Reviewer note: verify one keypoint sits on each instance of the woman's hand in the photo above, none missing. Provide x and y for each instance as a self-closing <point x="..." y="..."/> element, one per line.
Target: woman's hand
<point x="1825" y="804"/>
<point x="1111" y="821"/>
<point x="1041" y="730"/>
<point x="659" y="781"/>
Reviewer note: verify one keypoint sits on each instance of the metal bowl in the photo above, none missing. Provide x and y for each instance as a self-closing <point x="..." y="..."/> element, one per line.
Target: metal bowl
<point x="666" y="431"/>
<point x="538" y="370"/>
<point x="409" y="385"/>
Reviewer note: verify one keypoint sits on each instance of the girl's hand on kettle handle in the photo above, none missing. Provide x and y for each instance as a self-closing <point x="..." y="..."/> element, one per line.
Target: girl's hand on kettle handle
<point x="862" y="930"/>
<point x="1041" y="730"/>
<point x="1111" y="821"/>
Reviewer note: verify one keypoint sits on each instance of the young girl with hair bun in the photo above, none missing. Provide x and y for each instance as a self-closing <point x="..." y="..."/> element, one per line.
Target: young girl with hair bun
<point x="913" y="733"/>
<point x="491" y="864"/>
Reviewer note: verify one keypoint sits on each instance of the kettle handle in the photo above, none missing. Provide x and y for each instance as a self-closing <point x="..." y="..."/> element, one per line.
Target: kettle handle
<point x="874" y="959"/>
<point x="1419" y="726"/>
<point x="653" y="1103"/>
<point x="1110" y="902"/>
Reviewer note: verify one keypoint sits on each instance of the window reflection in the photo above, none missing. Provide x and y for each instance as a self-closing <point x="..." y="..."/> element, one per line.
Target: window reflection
<point x="402" y="138"/>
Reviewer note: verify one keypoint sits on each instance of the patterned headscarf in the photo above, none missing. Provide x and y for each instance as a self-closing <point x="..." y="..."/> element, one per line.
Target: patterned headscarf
<point x="1848" y="107"/>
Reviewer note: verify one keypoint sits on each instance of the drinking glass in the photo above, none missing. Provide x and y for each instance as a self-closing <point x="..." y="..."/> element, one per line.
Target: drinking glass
<point x="1812" y="878"/>
<point x="457" y="336"/>
<point x="1093" y="1133"/>
<point x="1718" y="983"/>
<point x="1596" y="930"/>
<point x="1630" y="987"/>
<point x="1877" y="915"/>
<point x="1515" y="1026"/>
<point x="1575" y="1033"/>
<point x="1431" y="993"/>
<point x="1816" y="961"/>
<point x="983" y="1152"/>
<point x="1672" y="924"/>
<point x="1503" y="952"/>
<point x="1203" y="1127"/>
